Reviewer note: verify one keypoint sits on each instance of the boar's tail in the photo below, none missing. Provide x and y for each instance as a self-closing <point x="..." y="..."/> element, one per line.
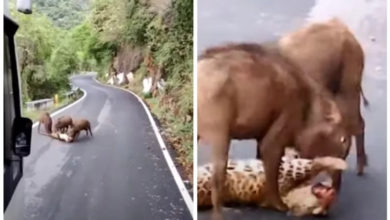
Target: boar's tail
<point x="365" y="100"/>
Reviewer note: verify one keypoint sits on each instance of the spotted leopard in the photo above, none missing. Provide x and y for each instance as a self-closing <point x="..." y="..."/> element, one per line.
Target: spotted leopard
<point x="245" y="182"/>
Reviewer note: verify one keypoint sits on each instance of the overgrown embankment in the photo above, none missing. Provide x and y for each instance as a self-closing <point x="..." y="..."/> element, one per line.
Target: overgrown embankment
<point x="154" y="39"/>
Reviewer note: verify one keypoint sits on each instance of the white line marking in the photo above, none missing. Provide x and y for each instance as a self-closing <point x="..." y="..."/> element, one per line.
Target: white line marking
<point x="176" y="176"/>
<point x="66" y="107"/>
<point x="195" y="110"/>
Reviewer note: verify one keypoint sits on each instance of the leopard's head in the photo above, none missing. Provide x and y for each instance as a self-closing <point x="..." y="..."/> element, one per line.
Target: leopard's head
<point x="313" y="199"/>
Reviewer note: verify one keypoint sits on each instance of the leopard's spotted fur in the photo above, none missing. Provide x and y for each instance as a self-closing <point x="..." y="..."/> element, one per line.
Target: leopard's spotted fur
<point x="245" y="182"/>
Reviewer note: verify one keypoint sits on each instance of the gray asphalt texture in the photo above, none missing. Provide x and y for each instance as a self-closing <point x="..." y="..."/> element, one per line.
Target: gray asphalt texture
<point x="119" y="173"/>
<point x="222" y="21"/>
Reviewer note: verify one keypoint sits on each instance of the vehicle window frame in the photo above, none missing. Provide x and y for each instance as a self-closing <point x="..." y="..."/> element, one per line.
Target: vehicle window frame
<point x="13" y="164"/>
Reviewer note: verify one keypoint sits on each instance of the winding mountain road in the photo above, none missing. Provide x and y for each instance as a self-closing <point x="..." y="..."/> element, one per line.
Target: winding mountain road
<point x="119" y="173"/>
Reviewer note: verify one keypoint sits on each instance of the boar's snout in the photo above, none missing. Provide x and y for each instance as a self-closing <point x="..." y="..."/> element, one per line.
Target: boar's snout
<point x="323" y="140"/>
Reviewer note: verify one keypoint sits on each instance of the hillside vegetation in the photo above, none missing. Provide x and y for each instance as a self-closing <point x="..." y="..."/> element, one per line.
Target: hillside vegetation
<point x="64" y="13"/>
<point x="151" y="38"/>
<point x="161" y="34"/>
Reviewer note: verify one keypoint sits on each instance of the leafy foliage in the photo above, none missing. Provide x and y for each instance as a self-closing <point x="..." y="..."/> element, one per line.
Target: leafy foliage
<point x="48" y="54"/>
<point x="137" y="22"/>
<point x="35" y="40"/>
<point x="63" y="13"/>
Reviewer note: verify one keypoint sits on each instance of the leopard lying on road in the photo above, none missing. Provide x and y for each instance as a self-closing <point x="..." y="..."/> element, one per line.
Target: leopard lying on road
<point x="245" y="181"/>
<point x="60" y="136"/>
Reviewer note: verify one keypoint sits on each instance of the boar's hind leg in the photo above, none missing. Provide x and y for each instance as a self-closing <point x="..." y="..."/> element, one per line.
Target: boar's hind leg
<point x="358" y="130"/>
<point x="350" y="105"/>
<point x="361" y="153"/>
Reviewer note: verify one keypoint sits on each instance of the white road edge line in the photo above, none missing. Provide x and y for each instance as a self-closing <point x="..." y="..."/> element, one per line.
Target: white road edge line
<point x="66" y="107"/>
<point x="176" y="176"/>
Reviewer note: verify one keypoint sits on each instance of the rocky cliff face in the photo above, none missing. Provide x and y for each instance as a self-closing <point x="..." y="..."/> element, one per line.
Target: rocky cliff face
<point x="128" y="59"/>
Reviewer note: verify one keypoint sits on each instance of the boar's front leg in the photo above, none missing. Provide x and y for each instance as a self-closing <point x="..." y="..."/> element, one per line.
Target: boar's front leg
<point x="361" y="154"/>
<point x="336" y="179"/>
<point x="272" y="149"/>
<point x="258" y="149"/>
<point x="220" y="144"/>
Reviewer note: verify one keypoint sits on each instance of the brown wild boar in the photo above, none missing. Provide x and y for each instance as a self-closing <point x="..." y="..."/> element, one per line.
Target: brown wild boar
<point x="63" y="123"/>
<point x="330" y="54"/>
<point x="78" y="126"/>
<point x="46" y="120"/>
<point x="245" y="92"/>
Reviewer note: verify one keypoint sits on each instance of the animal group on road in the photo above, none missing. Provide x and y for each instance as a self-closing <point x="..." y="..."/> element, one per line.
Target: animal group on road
<point x="65" y="128"/>
<point x="303" y="90"/>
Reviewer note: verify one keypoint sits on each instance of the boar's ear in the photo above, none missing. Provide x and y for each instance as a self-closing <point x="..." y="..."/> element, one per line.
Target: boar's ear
<point x="332" y="112"/>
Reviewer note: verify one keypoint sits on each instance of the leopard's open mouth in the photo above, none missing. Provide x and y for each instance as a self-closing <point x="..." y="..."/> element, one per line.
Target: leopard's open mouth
<point x="326" y="196"/>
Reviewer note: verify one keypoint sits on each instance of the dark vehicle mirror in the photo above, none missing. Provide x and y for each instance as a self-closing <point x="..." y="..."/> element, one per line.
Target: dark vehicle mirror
<point x="21" y="136"/>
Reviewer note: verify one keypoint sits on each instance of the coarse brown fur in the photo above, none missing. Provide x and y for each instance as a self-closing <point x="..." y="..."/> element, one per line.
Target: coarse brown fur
<point x="330" y="54"/>
<point x="63" y="124"/>
<point x="47" y="122"/>
<point x="78" y="126"/>
<point x="245" y="92"/>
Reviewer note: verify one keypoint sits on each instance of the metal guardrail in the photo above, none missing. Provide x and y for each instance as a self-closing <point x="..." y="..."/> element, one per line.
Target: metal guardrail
<point x="41" y="104"/>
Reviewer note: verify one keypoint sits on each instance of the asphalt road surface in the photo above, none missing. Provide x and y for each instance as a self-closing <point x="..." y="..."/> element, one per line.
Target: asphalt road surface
<point x="222" y="21"/>
<point x="119" y="173"/>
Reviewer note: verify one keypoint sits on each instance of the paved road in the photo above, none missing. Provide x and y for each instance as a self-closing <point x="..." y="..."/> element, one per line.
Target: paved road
<point x="256" y="21"/>
<point x="120" y="173"/>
